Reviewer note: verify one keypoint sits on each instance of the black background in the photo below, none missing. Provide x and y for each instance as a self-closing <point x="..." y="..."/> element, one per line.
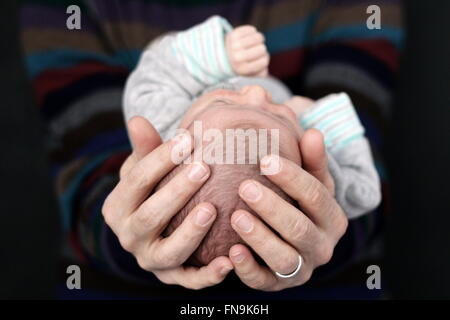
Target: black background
<point x="418" y="236"/>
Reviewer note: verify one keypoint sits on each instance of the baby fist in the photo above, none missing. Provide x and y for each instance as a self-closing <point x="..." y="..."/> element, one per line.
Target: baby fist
<point x="247" y="52"/>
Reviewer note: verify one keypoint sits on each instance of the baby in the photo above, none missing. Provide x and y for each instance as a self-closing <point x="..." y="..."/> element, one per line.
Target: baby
<point x="216" y="76"/>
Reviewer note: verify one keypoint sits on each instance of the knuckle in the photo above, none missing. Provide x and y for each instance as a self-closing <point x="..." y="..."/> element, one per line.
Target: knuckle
<point x="167" y="260"/>
<point x="289" y="178"/>
<point x="192" y="286"/>
<point x="195" y="285"/>
<point x="164" y="278"/>
<point x="265" y="202"/>
<point x="257" y="283"/>
<point x="288" y="265"/>
<point x="325" y="255"/>
<point x="298" y="230"/>
<point x="128" y="242"/>
<point x="106" y="211"/>
<point x="258" y="238"/>
<point x="143" y="263"/>
<point x="126" y="165"/>
<point x="147" y="219"/>
<point x="306" y="275"/>
<point x="137" y="178"/>
<point x="180" y="189"/>
<point x="315" y="194"/>
<point x="341" y="225"/>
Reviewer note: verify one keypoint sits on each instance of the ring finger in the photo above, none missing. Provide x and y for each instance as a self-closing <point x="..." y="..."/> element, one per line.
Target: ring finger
<point x="276" y="253"/>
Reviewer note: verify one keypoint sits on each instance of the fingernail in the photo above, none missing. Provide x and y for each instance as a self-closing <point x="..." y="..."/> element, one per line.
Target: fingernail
<point x="203" y="217"/>
<point x="238" y="257"/>
<point x="270" y="165"/>
<point x="197" y="172"/>
<point x="244" y="223"/>
<point x="225" y="270"/>
<point x="251" y="192"/>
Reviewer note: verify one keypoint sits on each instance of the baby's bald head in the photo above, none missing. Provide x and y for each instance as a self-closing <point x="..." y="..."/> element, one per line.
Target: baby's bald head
<point x="221" y="190"/>
<point x="221" y="110"/>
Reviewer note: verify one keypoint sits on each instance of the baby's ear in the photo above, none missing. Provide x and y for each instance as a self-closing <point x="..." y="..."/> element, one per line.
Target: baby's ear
<point x="143" y="136"/>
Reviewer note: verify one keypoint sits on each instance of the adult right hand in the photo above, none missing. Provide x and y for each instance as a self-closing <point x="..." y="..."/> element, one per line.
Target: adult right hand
<point x="138" y="216"/>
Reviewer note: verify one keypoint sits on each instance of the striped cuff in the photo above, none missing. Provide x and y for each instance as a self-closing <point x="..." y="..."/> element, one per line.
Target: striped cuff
<point x="201" y="49"/>
<point x="335" y="116"/>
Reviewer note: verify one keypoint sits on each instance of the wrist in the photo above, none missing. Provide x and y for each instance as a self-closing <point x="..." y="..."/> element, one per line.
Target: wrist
<point x="202" y="50"/>
<point x="335" y="116"/>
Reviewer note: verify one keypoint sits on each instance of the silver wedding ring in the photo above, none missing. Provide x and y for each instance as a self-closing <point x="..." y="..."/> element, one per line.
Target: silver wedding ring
<point x="293" y="274"/>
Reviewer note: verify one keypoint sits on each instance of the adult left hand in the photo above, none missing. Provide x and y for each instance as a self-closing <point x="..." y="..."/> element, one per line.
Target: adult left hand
<point x="310" y="232"/>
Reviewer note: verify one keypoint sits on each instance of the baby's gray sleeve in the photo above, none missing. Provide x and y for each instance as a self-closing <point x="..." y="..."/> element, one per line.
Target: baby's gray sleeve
<point x="160" y="89"/>
<point x="172" y="72"/>
<point x="357" y="185"/>
<point x="350" y="161"/>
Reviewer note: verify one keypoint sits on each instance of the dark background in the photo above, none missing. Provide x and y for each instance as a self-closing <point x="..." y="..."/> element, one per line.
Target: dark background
<point x="28" y="211"/>
<point x="418" y="235"/>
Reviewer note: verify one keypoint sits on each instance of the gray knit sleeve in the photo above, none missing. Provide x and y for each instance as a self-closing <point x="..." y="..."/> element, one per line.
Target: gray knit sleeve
<point x="357" y="183"/>
<point x="160" y="88"/>
<point x="173" y="71"/>
<point x="350" y="159"/>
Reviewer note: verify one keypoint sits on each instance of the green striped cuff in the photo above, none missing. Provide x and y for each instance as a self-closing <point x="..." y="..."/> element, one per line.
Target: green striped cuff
<point x="335" y="116"/>
<point x="202" y="50"/>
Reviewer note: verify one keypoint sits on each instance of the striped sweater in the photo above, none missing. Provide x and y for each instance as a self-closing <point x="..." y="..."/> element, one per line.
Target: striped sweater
<point x="78" y="76"/>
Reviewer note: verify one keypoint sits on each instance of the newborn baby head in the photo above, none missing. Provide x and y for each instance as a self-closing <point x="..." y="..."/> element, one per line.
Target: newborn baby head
<point x="243" y="112"/>
<point x="221" y="190"/>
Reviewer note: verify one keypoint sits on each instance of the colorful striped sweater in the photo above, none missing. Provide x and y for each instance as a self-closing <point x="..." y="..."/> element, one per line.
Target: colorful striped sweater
<point x="78" y="76"/>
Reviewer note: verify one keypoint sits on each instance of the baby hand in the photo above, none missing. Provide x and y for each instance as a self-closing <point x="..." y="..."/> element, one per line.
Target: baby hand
<point x="299" y="104"/>
<point x="247" y="52"/>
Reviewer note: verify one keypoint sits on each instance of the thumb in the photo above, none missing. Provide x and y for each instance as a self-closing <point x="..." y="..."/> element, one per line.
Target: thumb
<point x="143" y="136"/>
<point x="314" y="158"/>
<point x="144" y="139"/>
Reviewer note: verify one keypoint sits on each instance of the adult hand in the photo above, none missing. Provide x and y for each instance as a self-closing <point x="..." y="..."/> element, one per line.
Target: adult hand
<point x="311" y="231"/>
<point x="247" y="52"/>
<point x="138" y="216"/>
